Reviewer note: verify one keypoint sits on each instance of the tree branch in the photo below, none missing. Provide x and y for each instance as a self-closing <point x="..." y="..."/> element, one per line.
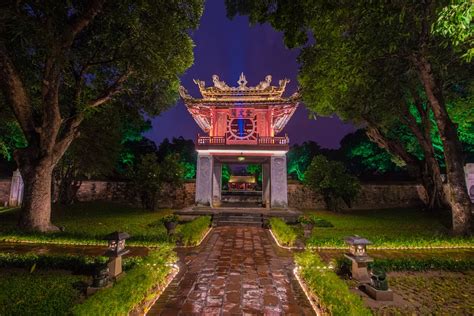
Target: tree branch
<point x="16" y="93"/>
<point x="110" y="92"/>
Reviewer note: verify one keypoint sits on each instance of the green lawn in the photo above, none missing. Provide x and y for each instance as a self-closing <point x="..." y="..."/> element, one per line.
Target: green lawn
<point x="38" y="293"/>
<point x="88" y="223"/>
<point x="386" y="228"/>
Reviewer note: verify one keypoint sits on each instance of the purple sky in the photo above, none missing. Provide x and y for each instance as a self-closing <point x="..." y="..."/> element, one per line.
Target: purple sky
<point x="227" y="48"/>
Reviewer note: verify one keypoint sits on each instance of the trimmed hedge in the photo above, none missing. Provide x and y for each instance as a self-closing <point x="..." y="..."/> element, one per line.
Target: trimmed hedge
<point x="192" y="232"/>
<point x="130" y="290"/>
<point x="414" y="264"/>
<point x="77" y="264"/>
<point x="285" y="234"/>
<point x="333" y="293"/>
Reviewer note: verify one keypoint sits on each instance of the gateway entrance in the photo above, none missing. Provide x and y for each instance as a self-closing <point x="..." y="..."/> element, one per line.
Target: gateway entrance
<point x="241" y="125"/>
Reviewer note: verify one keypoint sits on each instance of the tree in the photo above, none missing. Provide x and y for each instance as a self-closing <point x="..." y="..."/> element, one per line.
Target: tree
<point x="149" y="177"/>
<point x="373" y="64"/>
<point x="186" y="150"/>
<point x="97" y="151"/>
<point x="365" y="157"/>
<point x="62" y="60"/>
<point x="300" y="157"/>
<point x="331" y="180"/>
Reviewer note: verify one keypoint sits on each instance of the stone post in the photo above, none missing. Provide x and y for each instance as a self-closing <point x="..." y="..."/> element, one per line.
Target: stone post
<point x="16" y="190"/>
<point x="216" y="184"/>
<point x="278" y="181"/>
<point x="204" y="179"/>
<point x="469" y="173"/>
<point x="266" y="184"/>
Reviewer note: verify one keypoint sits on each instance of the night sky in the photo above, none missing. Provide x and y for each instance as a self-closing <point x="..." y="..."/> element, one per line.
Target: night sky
<point x="227" y="48"/>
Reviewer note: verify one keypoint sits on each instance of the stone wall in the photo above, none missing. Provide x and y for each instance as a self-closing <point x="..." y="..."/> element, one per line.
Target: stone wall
<point x="4" y="191"/>
<point x="123" y="193"/>
<point x="371" y="196"/>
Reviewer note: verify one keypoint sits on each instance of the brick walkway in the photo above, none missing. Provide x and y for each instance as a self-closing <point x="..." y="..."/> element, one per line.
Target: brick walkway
<point x="236" y="271"/>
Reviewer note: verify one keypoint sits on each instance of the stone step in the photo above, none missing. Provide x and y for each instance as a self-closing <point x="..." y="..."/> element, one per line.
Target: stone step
<point x="233" y="223"/>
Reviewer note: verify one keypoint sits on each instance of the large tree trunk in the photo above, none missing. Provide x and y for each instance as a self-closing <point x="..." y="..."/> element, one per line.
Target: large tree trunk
<point x="457" y="191"/>
<point x="36" y="207"/>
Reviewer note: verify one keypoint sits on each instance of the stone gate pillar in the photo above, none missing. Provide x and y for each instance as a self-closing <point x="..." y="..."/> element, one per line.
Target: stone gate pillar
<point x="16" y="189"/>
<point x="204" y="179"/>
<point x="216" y="183"/>
<point x="469" y="174"/>
<point x="278" y="181"/>
<point x="266" y="184"/>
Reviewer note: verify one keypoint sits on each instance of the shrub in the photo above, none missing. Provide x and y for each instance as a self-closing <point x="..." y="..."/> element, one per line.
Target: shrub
<point x="130" y="290"/>
<point x="170" y="218"/>
<point x="150" y="176"/>
<point x="333" y="293"/>
<point x="192" y="232"/>
<point x="285" y="234"/>
<point x="331" y="180"/>
<point x="313" y="219"/>
<point x="77" y="264"/>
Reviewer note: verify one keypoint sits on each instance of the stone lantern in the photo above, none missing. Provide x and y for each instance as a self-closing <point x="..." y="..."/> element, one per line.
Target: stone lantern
<point x="359" y="258"/>
<point x="116" y="249"/>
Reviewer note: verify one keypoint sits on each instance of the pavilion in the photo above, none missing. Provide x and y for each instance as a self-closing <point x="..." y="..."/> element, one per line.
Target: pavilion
<point x="241" y="126"/>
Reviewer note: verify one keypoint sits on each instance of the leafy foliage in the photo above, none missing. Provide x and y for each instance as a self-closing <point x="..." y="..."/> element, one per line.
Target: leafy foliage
<point x="331" y="180"/>
<point x="313" y="219"/>
<point x="285" y="234"/>
<point x="454" y="24"/>
<point x="150" y="177"/>
<point x="191" y="233"/>
<point x="186" y="151"/>
<point x="333" y="293"/>
<point x="132" y="288"/>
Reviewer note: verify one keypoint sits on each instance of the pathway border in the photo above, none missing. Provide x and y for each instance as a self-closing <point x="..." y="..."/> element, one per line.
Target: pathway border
<point x="312" y="298"/>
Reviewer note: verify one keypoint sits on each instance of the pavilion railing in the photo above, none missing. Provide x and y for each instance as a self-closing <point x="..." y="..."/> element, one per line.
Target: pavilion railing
<point x="261" y="140"/>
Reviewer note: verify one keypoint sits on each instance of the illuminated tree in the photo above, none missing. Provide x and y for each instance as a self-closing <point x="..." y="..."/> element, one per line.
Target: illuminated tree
<point x="373" y="64"/>
<point x="62" y="60"/>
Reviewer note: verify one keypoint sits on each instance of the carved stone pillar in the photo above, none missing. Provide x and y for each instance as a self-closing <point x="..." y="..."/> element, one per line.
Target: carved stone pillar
<point x="16" y="189"/>
<point x="204" y="179"/>
<point x="266" y="184"/>
<point x="216" y="184"/>
<point x="278" y="180"/>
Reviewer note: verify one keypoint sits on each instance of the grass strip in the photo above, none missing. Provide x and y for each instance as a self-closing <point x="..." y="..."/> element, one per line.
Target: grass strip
<point x="333" y="294"/>
<point x="414" y="264"/>
<point x="285" y="234"/>
<point x="191" y="233"/>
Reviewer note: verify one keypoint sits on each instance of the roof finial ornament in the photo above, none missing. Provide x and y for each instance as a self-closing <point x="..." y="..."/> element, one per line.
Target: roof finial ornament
<point x="218" y="83"/>
<point x="242" y="81"/>
<point x="265" y="84"/>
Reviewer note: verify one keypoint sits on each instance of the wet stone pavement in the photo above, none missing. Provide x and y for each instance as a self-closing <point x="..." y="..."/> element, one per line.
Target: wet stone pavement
<point x="236" y="271"/>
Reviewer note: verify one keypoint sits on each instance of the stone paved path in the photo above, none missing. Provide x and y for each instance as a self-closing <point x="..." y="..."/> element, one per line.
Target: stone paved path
<point x="236" y="271"/>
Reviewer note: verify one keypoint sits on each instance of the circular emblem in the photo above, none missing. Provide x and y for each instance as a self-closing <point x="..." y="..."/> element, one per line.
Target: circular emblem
<point x="241" y="128"/>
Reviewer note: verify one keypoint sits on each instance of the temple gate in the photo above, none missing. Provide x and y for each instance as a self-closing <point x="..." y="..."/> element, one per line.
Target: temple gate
<point x="241" y="125"/>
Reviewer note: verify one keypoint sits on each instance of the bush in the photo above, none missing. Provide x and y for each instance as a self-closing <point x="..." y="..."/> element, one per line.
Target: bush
<point x="150" y="176"/>
<point x="130" y="290"/>
<point x="331" y="180"/>
<point x="333" y="293"/>
<point x="313" y="219"/>
<point x="78" y="264"/>
<point x="416" y="264"/>
<point x="285" y="234"/>
<point x="191" y="233"/>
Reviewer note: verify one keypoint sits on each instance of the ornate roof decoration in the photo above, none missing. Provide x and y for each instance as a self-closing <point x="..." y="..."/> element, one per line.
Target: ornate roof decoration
<point x="221" y="91"/>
